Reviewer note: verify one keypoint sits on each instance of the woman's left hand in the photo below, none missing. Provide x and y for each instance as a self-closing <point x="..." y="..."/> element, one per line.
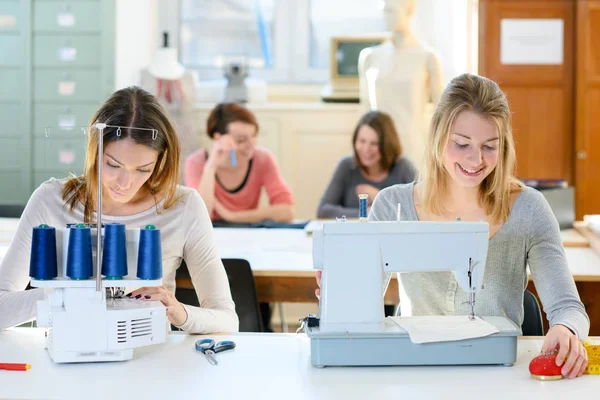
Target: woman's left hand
<point x="175" y="310"/>
<point x="572" y="356"/>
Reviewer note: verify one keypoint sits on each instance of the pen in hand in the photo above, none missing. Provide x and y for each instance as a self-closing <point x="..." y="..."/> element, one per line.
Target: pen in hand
<point x="232" y="157"/>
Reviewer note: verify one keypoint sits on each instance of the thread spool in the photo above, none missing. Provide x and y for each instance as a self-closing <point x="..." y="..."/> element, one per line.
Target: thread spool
<point x="114" y="251"/>
<point x="43" y="263"/>
<point x="149" y="254"/>
<point x="79" y="253"/>
<point x="362" y="207"/>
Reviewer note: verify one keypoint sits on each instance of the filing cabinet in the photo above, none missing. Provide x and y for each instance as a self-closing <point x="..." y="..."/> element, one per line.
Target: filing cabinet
<point x="56" y="68"/>
<point x="15" y="179"/>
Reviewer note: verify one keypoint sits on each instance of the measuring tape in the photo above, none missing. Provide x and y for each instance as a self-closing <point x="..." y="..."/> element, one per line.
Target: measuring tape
<point x="593" y="352"/>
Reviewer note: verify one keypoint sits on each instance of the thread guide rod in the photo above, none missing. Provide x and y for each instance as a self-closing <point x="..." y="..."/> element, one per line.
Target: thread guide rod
<point x="100" y="127"/>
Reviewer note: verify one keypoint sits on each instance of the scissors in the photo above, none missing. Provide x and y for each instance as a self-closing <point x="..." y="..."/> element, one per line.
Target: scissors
<point x="210" y="348"/>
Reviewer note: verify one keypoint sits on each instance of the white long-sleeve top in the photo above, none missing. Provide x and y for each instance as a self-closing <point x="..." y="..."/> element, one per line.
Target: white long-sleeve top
<point x="186" y="233"/>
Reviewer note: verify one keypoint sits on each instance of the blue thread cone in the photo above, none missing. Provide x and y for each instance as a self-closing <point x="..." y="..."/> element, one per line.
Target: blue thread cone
<point x="79" y="253"/>
<point x="149" y="254"/>
<point x="42" y="261"/>
<point x="114" y="252"/>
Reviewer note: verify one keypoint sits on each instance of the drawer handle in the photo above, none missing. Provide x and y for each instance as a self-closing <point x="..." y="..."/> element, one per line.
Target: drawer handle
<point x="67" y="7"/>
<point x="67" y="76"/>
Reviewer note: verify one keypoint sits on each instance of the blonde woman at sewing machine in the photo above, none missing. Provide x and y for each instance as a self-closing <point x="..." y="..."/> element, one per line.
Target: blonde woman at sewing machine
<point x="468" y="174"/>
<point x="140" y="172"/>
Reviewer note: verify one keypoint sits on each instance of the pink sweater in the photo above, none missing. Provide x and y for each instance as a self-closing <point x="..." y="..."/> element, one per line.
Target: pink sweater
<point x="263" y="173"/>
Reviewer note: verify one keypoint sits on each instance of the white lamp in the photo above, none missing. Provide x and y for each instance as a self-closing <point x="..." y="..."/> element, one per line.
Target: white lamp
<point x="164" y="64"/>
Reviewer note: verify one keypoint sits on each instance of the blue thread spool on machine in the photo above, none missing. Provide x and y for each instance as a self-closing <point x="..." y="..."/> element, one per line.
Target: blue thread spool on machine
<point x="43" y="258"/>
<point x="79" y="253"/>
<point x="363" y="200"/>
<point x="114" y="252"/>
<point x="149" y="254"/>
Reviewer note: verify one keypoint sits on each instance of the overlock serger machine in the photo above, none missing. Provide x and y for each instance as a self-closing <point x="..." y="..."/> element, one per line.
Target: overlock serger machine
<point x="86" y="316"/>
<point x="356" y="257"/>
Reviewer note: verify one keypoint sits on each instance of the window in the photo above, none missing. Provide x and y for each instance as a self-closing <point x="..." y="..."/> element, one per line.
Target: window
<point x="287" y="41"/>
<point x="212" y="31"/>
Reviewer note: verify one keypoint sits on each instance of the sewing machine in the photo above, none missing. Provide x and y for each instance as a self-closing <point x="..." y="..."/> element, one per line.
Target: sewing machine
<point x="89" y="320"/>
<point x="355" y="258"/>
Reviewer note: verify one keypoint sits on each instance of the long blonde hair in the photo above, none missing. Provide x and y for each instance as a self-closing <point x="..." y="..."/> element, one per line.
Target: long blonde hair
<point x="129" y="107"/>
<point x="483" y="97"/>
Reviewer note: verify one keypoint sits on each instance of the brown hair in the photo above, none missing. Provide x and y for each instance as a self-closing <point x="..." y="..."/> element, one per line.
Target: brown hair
<point x="129" y="107"/>
<point x="389" y="144"/>
<point x="226" y="113"/>
<point x="482" y="96"/>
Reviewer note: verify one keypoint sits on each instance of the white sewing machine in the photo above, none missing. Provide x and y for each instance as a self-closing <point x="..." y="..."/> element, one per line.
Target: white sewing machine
<point x="354" y="258"/>
<point x="87" y="325"/>
<point x="89" y="320"/>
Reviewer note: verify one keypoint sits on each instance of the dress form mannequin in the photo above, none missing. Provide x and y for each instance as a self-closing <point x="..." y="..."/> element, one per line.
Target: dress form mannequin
<point x="400" y="76"/>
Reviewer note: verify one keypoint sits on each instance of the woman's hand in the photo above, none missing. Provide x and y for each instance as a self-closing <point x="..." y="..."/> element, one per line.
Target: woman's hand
<point x="175" y="310"/>
<point x="571" y="353"/>
<point x="219" y="152"/>
<point x="318" y="291"/>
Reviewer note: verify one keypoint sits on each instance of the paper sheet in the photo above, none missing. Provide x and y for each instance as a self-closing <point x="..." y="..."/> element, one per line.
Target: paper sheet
<point x="444" y="328"/>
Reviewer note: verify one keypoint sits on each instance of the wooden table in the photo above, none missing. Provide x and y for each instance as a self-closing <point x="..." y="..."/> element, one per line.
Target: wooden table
<point x="265" y="366"/>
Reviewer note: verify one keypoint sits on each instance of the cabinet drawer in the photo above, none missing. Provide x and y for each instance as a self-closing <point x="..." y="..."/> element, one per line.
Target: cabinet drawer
<point x="67" y="86"/>
<point x="11" y="86"/>
<point x="11" y="54"/>
<point x="67" y="16"/>
<point x="59" y="154"/>
<point x="10" y="120"/>
<point x="10" y="152"/>
<point x="67" y="51"/>
<point x="10" y="15"/>
<point x="15" y="187"/>
<point x="61" y="118"/>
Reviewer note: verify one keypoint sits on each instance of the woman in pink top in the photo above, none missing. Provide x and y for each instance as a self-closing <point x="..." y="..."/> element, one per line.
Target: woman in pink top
<point x="231" y="175"/>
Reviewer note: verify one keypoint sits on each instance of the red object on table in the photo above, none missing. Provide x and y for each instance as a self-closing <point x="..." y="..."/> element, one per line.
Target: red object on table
<point x="544" y="368"/>
<point x="15" y="367"/>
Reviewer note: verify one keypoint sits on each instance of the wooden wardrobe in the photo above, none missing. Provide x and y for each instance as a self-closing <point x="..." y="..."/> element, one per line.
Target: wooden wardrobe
<point x="556" y="106"/>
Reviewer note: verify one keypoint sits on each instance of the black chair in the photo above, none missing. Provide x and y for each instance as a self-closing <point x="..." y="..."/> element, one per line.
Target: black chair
<point x="243" y="292"/>
<point x="11" y="210"/>
<point x="533" y="323"/>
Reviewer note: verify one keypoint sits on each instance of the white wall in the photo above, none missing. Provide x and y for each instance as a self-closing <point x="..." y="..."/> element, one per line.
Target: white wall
<point x="137" y="35"/>
<point x="445" y="26"/>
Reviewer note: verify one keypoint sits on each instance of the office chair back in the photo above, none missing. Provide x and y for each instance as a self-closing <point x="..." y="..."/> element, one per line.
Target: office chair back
<point x="243" y="292"/>
<point x="533" y="323"/>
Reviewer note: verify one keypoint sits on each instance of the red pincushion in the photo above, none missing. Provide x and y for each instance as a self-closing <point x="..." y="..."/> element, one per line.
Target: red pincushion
<point x="544" y="367"/>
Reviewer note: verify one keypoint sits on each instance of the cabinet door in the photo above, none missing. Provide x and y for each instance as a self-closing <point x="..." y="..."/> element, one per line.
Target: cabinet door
<point x="587" y="124"/>
<point x="539" y="87"/>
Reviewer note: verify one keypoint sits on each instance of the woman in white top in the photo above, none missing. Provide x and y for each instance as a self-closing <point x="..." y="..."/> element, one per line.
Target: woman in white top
<point x="140" y="172"/>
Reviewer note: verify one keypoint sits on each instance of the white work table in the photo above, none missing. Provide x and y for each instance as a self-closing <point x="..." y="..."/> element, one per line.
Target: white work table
<point x="264" y="366"/>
